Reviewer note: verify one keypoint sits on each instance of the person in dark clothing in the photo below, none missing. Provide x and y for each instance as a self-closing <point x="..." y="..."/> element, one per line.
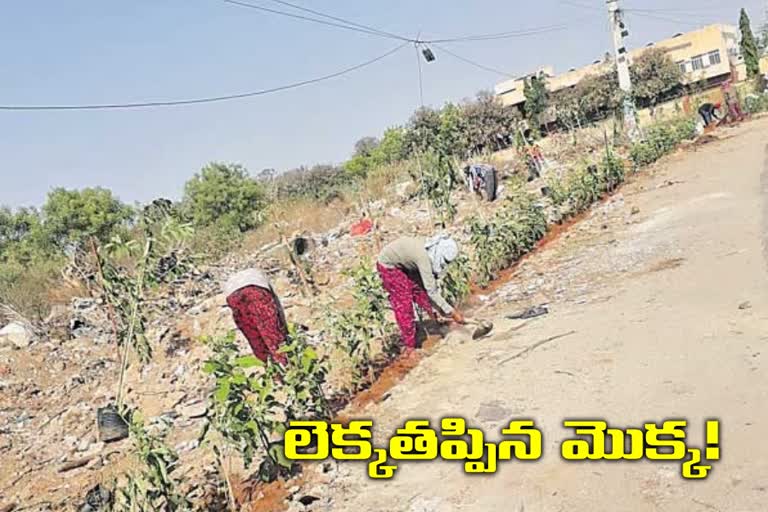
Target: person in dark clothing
<point x="707" y="112"/>
<point x="482" y="180"/>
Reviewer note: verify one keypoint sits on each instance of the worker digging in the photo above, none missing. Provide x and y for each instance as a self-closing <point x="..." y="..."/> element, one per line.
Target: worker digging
<point x="409" y="269"/>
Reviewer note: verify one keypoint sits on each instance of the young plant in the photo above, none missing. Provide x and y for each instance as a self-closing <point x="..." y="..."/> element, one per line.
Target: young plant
<point x="510" y="234"/>
<point x="129" y="269"/>
<point x="302" y="378"/>
<point x="153" y="487"/>
<point x="353" y="331"/>
<point x="243" y="407"/>
<point x="662" y="139"/>
<point x="437" y="183"/>
<point x="455" y="285"/>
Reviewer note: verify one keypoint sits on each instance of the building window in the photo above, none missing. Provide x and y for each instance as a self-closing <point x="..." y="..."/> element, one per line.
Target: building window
<point x="697" y="63"/>
<point x="714" y="58"/>
<point x="683" y="67"/>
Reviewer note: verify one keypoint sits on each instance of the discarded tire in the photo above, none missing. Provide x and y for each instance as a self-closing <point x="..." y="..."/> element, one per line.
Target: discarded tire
<point x="112" y="426"/>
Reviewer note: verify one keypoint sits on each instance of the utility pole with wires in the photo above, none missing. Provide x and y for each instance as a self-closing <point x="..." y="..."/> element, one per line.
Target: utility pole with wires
<point x="620" y="32"/>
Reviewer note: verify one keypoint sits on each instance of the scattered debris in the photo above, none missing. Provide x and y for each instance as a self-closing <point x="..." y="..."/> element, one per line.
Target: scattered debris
<point x="482" y="329"/>
<point x="112" y="426"/>
<point x="533" y="347"/>
<point x="98" y="499"/>
<point x="493" y="412"/>
<point x="75" y="464"/>
<point x="17" y="335"/>
<point x="529" y="313"/>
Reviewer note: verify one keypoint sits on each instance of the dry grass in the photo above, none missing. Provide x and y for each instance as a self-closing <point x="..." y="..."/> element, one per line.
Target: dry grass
<point x="296" y="215"/>
<point x="312" y="215"/>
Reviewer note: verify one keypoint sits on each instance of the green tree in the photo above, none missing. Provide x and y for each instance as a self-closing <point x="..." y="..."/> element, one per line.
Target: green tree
<point x="224" y="195"/>
<point x="29" y="265"/>
<point x="749" y="46"/>
<point x="453" y="131"/>
<point x="489" y="125"/>
<point x="17" y="229"/>
<point x="366" y="146"/>
<point x="392" y="147"/>
<point x="72" y="216"/>
<point x="599" y="95"/>
<point x="536" y="100"/>
<point x="423" y="130"/>
<point x="363" y="160"/>
<point x="654" y="76"/>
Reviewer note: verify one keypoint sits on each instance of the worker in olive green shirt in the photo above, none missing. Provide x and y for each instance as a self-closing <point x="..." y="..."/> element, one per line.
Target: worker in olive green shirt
<point x="409" y="268"/>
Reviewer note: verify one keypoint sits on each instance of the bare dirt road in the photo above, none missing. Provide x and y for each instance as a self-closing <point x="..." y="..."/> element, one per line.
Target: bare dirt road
<point x="665" y="288"/>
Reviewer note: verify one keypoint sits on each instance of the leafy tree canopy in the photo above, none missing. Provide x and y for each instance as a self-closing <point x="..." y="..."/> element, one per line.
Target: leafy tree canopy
<point x="224" y="194"/>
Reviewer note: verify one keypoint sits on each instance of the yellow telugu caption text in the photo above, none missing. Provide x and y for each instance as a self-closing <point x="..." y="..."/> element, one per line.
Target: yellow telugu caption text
<point x="520" y="440"/>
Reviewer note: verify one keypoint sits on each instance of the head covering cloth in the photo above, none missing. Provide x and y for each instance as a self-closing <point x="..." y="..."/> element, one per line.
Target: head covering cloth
<point x="442" y="249"/>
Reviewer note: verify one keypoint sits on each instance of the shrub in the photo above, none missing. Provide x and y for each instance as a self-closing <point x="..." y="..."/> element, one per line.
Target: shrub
<point x="661" y="139"/>
<point x="756" y="103"/>
<point x="353" y="331"/>
<point x="322" y="183"/>
<point x="438" y="179"/>
<point x="244" y="408"/>
<point x="512" y="232"/>
<point x="224" y="196"/>
<point x="154" y="486"/>
<point x="26" y="287"/>
<point x="455" y="285"/>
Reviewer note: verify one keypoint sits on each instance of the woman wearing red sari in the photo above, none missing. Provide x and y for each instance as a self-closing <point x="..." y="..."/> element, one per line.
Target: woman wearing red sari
<point x="257" y="312"/>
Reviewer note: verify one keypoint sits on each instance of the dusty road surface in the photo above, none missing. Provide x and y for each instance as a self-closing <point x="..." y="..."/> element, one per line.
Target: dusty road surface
<point x="665" y="288"/>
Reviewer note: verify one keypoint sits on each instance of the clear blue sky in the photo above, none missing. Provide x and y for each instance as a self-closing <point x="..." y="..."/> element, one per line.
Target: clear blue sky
<point x="90" y="51"/>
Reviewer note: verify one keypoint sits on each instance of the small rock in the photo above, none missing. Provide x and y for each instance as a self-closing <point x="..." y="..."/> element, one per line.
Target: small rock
<point x="187" y="446"/>
<point x="635" y="210"/>
<point x="308" y="499"/>
<point x="198" y="310"/>
<point x="745" y="305"/>
<point x="493" y="412"/>
<point x="456" y="337"/>
<point x="85" y="444"/>
<point x="422" y="504"/>
<point x="96" y="463"/>
<point x="82" y="303"/>
<point x="192" y="410"/>
<point x="16" y="334"/>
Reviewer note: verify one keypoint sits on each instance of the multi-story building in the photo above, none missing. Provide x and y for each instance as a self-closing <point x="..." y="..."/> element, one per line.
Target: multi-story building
<point x="709" y="56"/>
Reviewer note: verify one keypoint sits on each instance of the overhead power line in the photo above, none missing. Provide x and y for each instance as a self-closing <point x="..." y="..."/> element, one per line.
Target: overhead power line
<point x="346" y="25"/>
<point x="664" y="18"/>
<point x="502" y="35"/>
<point x="473" y="63"/>
<point x="647" y="13"/>
<point x="211" y="99"/>
<point x="342" y="20"/>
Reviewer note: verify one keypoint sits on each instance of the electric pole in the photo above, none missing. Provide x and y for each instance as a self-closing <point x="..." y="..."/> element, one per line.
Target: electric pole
<point x="620" y="32"/>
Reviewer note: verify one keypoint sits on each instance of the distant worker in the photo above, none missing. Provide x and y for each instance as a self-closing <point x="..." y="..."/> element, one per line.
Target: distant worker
<point x="257" y="312"/>
<point x="732" y="102"/>
<point x="481" y="179"/>
<point x="409" y="269"/>
<point x="708" y="111"/>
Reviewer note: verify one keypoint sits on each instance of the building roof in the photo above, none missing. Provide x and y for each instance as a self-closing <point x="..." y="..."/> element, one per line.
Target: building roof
<point x="681" y="46"/>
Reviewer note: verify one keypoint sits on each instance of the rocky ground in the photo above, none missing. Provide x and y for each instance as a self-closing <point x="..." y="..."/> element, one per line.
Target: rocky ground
<point x="52" y="383"/>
